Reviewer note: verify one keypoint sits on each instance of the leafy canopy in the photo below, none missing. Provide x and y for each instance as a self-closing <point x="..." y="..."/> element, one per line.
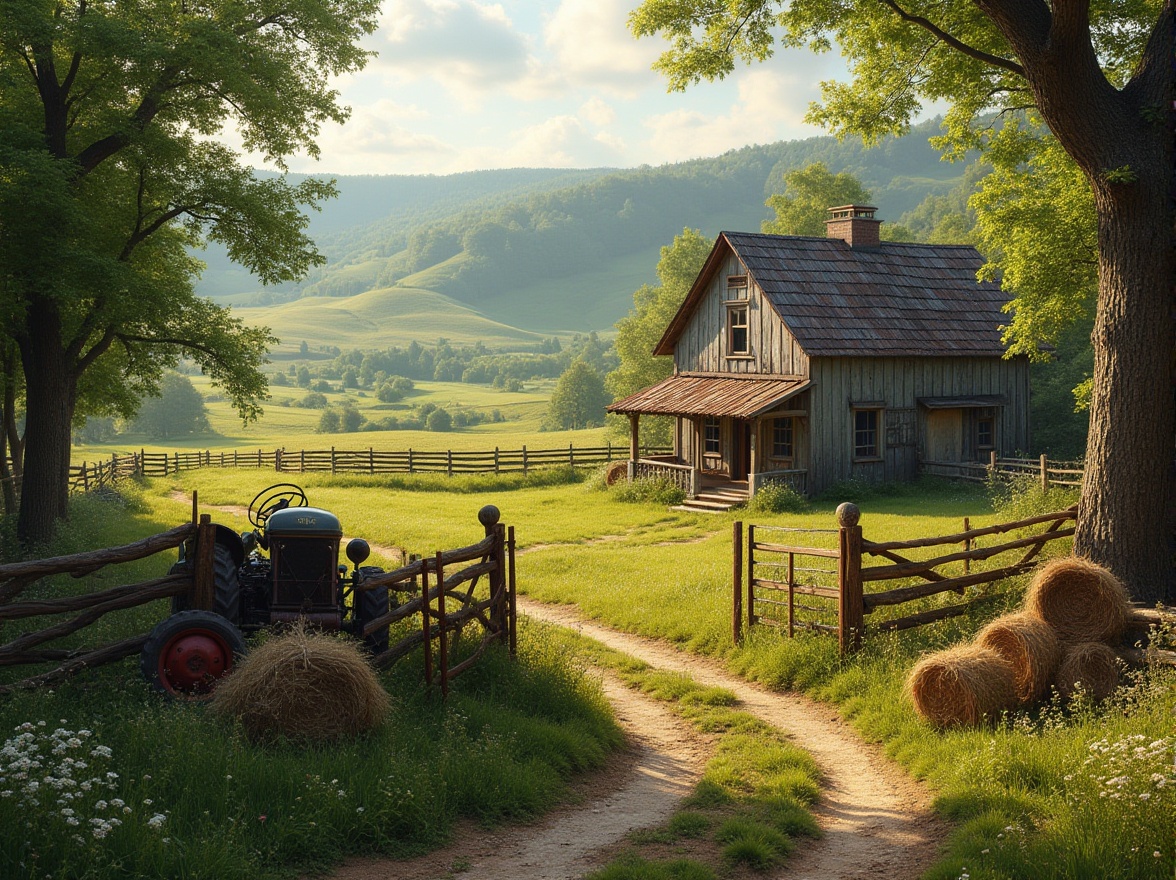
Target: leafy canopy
<point x="810" y="192"/>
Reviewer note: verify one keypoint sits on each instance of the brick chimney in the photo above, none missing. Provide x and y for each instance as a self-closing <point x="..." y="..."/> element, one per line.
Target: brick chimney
<point x="855" y="225"/>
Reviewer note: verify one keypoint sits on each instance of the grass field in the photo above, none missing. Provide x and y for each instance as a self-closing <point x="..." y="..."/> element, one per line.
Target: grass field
<point x="384" y="317"/>
<point x="288" y="425"/>
<point x="1066" y="791"/>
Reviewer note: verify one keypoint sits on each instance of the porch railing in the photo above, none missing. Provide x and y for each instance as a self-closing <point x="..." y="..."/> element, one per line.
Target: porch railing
<point x="795" y="478"/>
<point x="683" y="476"/>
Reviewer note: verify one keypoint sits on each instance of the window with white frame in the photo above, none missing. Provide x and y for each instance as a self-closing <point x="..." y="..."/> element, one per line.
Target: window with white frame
<point x="711" y="436"/>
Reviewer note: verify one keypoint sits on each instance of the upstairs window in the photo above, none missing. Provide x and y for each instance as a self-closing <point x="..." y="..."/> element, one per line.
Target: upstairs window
<point x="736" y="288"/>
<point x="737" y="343"/>
<point x="865" y="433"/>
<point x="782" y="438"/>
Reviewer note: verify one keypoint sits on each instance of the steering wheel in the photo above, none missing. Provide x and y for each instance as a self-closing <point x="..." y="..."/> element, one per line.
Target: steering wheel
<point x="272" y="499"/>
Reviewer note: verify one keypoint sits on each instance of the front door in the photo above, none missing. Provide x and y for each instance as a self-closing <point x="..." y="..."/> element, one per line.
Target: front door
<point x="945" y="435"/>
<point x="741" y="458"/>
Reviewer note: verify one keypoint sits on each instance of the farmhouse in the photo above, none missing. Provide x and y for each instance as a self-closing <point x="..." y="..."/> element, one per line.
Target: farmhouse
<point x="817" y="360"/>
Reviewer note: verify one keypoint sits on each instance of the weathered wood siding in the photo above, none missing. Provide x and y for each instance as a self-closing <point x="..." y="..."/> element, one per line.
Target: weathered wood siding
<point x="702" y="347"/>
<point x="896" y="384"/>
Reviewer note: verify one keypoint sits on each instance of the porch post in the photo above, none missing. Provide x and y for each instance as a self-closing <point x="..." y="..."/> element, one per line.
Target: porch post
<point x="696" y="463"/>
<point x="753" y="457"/>
<point x="634" y="420"/>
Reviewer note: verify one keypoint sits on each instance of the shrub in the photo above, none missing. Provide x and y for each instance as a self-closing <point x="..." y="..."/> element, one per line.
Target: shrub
<point x="314" y="400"/>
<point x="777" y="498"/>
<point x="653" y="490"/>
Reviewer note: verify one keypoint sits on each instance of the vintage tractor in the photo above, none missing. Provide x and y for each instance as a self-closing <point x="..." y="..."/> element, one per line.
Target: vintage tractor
<point x="300" y="579"/>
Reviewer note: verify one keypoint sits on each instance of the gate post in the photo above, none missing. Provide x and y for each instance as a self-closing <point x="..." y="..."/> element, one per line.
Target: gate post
<point x="204" y="577"/>
<point x="737" y="582"/>
<point x="850" y="610"/>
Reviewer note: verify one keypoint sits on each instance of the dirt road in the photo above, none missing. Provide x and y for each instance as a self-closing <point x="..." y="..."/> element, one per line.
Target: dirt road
<point x="876" y="820"/>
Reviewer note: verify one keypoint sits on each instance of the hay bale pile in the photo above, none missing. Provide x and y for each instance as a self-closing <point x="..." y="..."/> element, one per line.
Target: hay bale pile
<point x="303" y="685"/>
<point x="966" y="684"/>
<point x="1073" y="612"/>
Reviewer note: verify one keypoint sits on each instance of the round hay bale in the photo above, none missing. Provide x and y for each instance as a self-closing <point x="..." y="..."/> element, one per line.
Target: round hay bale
<point x="616" y="472"/>
<point x="1082" y="601"/>
<point x="1091" y="667"/>
<point x="1031" y="646"/>
<point x="962" y="685"/>
<point x="303" y="685"/>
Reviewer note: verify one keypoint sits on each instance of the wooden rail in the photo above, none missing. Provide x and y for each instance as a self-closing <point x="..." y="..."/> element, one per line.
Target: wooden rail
<point x="773" y="572"/>
<point x="1062" y="474"/>
<point x="93" y="475"/>
<point x="446" y="609"/>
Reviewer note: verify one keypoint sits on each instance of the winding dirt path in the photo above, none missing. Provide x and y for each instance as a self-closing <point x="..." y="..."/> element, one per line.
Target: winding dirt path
<point x="639" y="788"/>
<point x="876" y="820"/>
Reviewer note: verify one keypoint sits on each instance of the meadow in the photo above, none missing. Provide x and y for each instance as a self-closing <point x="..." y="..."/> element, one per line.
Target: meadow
<point x="1064" y="791"/>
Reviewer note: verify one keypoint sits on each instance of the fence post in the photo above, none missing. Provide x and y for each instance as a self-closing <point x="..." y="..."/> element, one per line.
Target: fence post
<point x="751" y="618"/>
<point x="278" y="460"/>
<point x="442" y="637"/>
<point x="204" y="578"/>
<point x="426" y="610"/>
<point x="737" y="582"/>
<point x="259" y="458"/>
<point x="991" y="463"/>
<point x="850" y="611"/>
<point x="332" y="461"/>
<point x="85" y="479"/>
<point x="510" y="586"/>
<point x="572" y="454"/>
<point x="449" y="462"/>
<point x="524" y="458"/>
<point x="177" y="462"/>
<point x="967" y="545"/>
<point x="371" y="461"/>
<point x="410" y="460"/>
<point x="1044" y="474"/>
<point x="496" y="466"/>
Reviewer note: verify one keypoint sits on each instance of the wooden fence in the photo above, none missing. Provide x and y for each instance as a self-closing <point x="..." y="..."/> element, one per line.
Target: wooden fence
<point x="773" y="568"/>
<point x="446" y="607"/>
<point x="1065" y="474"/>
<point x="92" y="475"/>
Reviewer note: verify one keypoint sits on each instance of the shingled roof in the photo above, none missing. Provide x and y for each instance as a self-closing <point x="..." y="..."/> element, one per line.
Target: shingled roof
<point x="895" y="300"/>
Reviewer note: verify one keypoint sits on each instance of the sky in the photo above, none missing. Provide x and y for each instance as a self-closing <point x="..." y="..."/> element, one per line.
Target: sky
<point x="460" y="85"/>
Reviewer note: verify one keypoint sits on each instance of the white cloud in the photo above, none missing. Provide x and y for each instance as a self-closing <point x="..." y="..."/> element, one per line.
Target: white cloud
<point x="598" y="112"/>
<point x="592" y="46"/>
<point x="467" y="46"/>
<point x="559" y="142"/>
<point x="770" y="107"/>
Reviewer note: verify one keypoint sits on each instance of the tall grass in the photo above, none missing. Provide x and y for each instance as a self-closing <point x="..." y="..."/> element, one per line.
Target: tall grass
<point x="100" y="777"/>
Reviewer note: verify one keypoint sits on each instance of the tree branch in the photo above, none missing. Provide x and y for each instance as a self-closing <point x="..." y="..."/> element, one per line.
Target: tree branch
<point x="958" y="45"/>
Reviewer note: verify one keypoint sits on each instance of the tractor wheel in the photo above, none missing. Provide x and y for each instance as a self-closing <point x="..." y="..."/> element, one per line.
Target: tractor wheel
<point x="370" y="604"/>
<point x="187" y="653"/>
<point x="226" y="599"/>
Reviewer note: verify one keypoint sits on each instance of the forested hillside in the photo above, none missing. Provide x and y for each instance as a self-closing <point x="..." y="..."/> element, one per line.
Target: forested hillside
<point x="563" y="250"/>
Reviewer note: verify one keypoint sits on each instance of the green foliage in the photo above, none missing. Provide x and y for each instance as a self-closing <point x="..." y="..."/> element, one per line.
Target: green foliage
<point x="653" y="309"/>
<point x="440" y="420"/>
<point x="777" y="497"/>
<point x="579" y="398"/>
<point x="177" y="410"/>
<point x="803" y="207"/>
<point x="649" y="490"/>
<point x="1035" y="221"/>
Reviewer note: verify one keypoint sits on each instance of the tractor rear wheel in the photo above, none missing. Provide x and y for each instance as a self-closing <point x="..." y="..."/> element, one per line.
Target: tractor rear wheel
<point x="226" y="599"/>
<point x="370" y="604"/>
<point x="187" y="654"/>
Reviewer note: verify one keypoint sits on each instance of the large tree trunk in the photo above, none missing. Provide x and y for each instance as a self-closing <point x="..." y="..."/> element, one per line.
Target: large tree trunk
<point x="51" y="391"/>
<point x="1126" y="519"/>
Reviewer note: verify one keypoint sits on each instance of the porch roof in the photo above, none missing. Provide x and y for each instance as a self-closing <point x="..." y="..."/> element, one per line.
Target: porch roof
<point x="685" y="394"/>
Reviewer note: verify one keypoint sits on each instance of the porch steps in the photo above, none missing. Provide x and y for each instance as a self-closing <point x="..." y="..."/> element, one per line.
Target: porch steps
<point x="716" y="500"/>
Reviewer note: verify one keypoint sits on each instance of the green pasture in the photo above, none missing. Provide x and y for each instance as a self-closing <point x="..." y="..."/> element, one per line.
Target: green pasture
<point x="286" y="424"/>
<point x="1029" y="797"/>
<point x="382" y="318"/>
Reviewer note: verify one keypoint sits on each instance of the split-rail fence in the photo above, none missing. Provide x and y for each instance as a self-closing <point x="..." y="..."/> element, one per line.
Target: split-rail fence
<point x="781" y="579"/>
<point x="441" y="589"/>
<point x="93" y="475"/>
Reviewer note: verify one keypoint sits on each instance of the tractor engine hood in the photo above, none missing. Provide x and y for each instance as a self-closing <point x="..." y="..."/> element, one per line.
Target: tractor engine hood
<point x="304" y="521"/>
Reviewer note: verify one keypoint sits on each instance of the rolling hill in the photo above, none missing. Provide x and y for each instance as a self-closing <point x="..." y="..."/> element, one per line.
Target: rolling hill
<point x="506" y="256"/>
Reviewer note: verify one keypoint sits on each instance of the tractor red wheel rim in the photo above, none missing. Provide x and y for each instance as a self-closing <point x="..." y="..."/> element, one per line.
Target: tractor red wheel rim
<point x="192" y="661"/>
